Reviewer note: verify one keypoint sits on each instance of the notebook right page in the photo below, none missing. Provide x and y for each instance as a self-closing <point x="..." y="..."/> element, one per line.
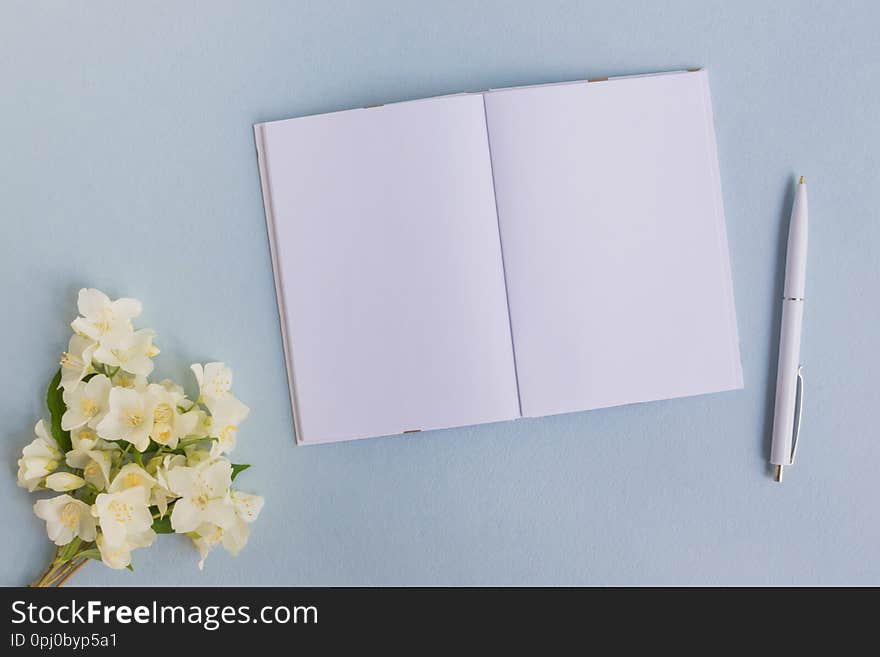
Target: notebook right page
<point x="613" y="238"/>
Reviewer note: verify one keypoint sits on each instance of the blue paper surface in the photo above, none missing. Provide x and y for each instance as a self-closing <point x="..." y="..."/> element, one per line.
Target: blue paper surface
<point x="127" y="163"/>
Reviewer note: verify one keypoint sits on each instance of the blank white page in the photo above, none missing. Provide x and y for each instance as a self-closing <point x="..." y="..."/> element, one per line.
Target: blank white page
<point x="388" y="267"/>
<point x="614" y="243"/>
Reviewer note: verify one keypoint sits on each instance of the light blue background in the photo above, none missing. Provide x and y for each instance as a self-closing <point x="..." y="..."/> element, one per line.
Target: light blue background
<point x="127" y="163"/>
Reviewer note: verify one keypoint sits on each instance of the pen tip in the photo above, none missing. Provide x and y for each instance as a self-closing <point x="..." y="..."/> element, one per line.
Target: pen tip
<point x="801" y="181"/>
<point x="778" y="474"/>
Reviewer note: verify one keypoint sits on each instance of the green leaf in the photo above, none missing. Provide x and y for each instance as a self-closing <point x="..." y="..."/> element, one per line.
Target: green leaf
<point x="69" y="550"/>
<point x="56" y="405"/>
<point x="163" y="525"/>
<point x="130" y="567"/>
<point x="238" y="467"/>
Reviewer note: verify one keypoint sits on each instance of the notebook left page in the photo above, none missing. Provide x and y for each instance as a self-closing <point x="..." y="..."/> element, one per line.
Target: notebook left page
<point x="388" y="269"/>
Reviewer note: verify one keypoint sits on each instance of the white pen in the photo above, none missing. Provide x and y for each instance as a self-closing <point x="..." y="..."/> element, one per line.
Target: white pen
<point x="789" y="376"/>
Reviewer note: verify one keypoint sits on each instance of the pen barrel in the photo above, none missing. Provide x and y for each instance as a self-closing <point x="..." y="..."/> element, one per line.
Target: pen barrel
<point x="796" y="253"/>
<point x="786" y="381"/>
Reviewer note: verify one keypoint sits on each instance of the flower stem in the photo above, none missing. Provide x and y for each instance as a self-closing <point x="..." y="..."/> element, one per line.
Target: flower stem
<point x="46" y="573"/>
<point x="62" y="567"/>
<point x="76" y="565"/>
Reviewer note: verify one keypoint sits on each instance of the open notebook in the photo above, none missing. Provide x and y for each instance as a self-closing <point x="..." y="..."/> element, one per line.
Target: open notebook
<point x="489" y="256"/>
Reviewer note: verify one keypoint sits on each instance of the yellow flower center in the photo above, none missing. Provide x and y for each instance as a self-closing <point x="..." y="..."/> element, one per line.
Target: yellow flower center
<point x="87" y="434"/>
<point x="132" y="479"/>
<point x="89" y="407"/>
<point x="162" y="414"/>
<point x="163" y="436"/>
<point x="133" y="417"/>
<point x="70" y="515"/>
<point x="105" y="323"/>
<point x="121" y="511"/>
<point x="227" y="436"/>
<point x="202" y="501"/>
<point x="220" y="385"/>
<point x="92" y="470"/>
<point x="124" y="381"/>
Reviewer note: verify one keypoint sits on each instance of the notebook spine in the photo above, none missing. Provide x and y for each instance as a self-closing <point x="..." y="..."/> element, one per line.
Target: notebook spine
<point x="266" y="188"/>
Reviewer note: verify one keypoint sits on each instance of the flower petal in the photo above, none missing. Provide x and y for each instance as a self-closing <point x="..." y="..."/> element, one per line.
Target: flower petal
<point x="72" y="418"/>
<point x="235" y="537"/>
<point x="185" y="516"/>
<point x="247" y="506"/>
<point x="217" y="477"/>
<point x="91" y="302"/>
<point x="127" y="308"/>
<point x="114" y="556"/>
<point x="181" y="480"/>
<point x="198" y="370"/>
<point x="139" y="365"/>
<point x="42" y="431"/>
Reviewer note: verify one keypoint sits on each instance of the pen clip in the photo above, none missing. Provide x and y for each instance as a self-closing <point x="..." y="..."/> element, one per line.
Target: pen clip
<point x="800" y="411"/>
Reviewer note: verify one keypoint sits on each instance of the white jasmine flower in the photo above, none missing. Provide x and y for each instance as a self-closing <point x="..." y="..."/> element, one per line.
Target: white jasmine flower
<point x="107" y="322"/>
<point x="179" y="395"/>
<point x="247" y="506"/>
<point x="66" y="518"/>
<point x="91" y="455"/>
<point x="86" y="404"/>
<point x="108" y="399"/>
<point x="84" y="438"/>
<point x="215" y="381"/>
<point x="97" y="469"/>
<point x="162" y="493"/>
<point x="125" y="518"/>
<point x="204" y="539"/>
<point x="174" y="389"/>
<point x="234" y="536"/>
<point x="202" y="490"/>
<point x="227" y="412"/>
<point x="169" y="423"/>
<point x="123" y="379"/>
<point x="131" y="475"/>
<point x="130" y="418"/>
<point x="225" y="429"/>
<point x="131" y="353"/>
<point x="76" y="362"/>
<point x="247" y="509"/>
<point x="38" y="459"/>
<point x="114" y="556"/>
<point x="64" y="481"/>
<point x="215" y="390"/>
